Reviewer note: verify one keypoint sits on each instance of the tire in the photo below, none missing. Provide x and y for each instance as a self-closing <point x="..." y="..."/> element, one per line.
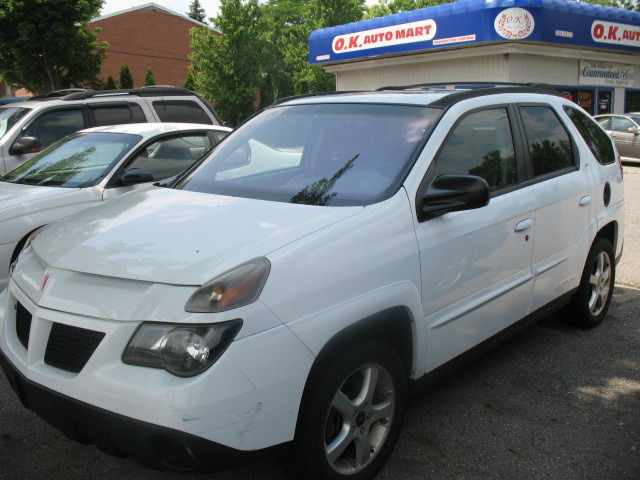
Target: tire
<point x="591" y="302"/>
<point x="351" y="415"/>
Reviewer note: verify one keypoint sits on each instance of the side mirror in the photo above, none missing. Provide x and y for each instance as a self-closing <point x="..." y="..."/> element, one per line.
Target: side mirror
<point x="26" y="145"/>
<point x="634" y="130"/>
<point x="453" y="193"/>
<point x="136" y="176"/>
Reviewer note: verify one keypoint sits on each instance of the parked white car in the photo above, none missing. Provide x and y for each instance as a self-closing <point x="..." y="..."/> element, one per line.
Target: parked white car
<point x="291" y="303"/>
<point x="89" y="167"/>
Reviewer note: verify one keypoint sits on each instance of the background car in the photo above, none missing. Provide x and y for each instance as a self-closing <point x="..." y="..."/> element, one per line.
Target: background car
<point x="89" y="167"/>
<point x="625" y="131"/>
<point x="29" y="126"/>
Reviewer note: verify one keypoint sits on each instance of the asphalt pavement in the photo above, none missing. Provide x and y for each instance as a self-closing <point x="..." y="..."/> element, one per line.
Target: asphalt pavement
<point x="553" y="403"/>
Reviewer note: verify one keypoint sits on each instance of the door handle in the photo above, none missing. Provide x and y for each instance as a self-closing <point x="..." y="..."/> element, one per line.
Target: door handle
<point x="586" y="200"/>
<point x="524" y="225"/>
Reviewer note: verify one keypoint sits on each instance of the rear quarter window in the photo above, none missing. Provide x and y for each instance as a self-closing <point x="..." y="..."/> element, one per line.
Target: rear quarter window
<point x="548" y="141"/>
<point x="181" y="111"/>
<point x="597" y="140"/>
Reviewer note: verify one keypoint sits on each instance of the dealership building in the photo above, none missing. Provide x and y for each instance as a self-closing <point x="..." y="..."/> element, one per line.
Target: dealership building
<point x="589" y="52"/>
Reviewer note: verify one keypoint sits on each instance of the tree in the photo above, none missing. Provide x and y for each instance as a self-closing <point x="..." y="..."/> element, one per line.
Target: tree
<point x="227" y="69"/>
<point x="390" y="7"/>
<point x="290" y="23"/>
<point x="196" y="11"/>
<point x="190" y="82"/>
<point x="110" y="84"/>
<point x="126" y="79"/>
<point x="46" y="46"/>
<point x="148" y="78"/>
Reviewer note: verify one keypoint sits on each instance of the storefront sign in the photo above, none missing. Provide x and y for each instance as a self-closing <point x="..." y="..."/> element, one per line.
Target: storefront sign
<point x="475" y="22"/>
<point x="514" y="24"/>
<point x="615" y="33"/>
<point x="384" y="37"/>
<point x="605" y="74"/>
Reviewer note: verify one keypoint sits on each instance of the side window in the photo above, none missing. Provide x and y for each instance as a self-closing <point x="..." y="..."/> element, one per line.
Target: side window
<point x="481" y="144"/>
<point x="597" y="140"/>
<point x="52" y="126"/>
<point x="181" y="111"/>
<point x="605" y="123"/>
<point x="168" y="157"/>
<point x="111" y="115"/>
<point x="548" y="141"/>
<point x="118" y="114"/>
<point x="621" y="124"/>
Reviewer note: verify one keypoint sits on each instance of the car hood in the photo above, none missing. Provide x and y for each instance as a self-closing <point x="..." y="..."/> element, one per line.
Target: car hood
<point x="177" y="237"/>
<point x="12" y="194"/>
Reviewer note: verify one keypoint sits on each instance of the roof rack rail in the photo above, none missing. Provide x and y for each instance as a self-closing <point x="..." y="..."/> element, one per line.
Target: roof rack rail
<point x="488" y="84"/>
<point x="61" y="93"/>
<point x="148" y="91"/>
<point x="312" y="94"/>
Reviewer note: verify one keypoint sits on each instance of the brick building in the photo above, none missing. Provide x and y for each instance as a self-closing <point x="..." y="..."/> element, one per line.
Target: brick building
<point x="147" y="36"/>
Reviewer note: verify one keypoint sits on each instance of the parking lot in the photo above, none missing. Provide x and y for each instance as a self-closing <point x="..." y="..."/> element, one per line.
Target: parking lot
<point x="553" y="403"/>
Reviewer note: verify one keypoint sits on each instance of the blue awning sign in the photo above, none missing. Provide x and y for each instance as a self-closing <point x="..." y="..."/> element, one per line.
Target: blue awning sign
<point x="555" y="22"/>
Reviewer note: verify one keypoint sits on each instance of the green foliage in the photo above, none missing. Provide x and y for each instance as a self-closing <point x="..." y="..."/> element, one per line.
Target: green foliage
<point x="45" y="46"/>
<point x="126" y="79"/>
<point x="196" y="11"/>
<point x="227" y="69"/>
<point x="263" y="55"/>
<point x="148" y="78"/>
<point x="190" y="82"/>
<point x="110" y="84"/>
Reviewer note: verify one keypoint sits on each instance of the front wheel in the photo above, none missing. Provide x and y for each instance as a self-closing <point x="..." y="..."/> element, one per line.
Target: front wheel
<point x="351" y="415"/>
<point x="591" y="302"/>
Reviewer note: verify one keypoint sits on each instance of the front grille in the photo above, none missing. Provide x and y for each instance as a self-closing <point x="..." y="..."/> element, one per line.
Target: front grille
<point x="23" y="324"/>
<point x="69" y="348"/>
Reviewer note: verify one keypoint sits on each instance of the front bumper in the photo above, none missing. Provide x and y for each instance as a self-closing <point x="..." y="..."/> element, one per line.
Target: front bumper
<point x="247" y="401"/>
<point x="151" y="445"/>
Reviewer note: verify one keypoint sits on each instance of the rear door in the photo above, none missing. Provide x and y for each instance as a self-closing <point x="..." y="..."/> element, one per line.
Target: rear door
<point x="564" y="200"/>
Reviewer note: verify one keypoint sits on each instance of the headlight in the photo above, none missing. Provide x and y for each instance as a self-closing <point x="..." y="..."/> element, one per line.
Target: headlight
<point x="183" y="350"/>
<point x="233" y="289"/>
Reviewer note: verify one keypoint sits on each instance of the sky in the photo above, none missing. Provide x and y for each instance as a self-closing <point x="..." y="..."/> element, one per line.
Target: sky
<point x="179" y="6"/>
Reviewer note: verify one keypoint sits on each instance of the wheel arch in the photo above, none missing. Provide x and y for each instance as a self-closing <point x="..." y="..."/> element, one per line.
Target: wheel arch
<point x="393" y="326"/>
<point x="609" y="232"/>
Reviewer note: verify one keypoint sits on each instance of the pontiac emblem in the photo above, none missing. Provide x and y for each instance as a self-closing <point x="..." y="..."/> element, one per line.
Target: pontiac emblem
<point x="46" y="279"/>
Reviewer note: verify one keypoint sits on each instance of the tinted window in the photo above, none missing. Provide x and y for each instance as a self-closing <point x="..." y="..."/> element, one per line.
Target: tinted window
<point x="481" y="144"/>
<point x="323" y="154"/>
<point x="168" y="157"/>
<point x="597" y="140"/>
<point x="112" y="115"/>
<point x="52" y="126"/>
<point x="548" y="141"/>
<point x="181" y="111"/>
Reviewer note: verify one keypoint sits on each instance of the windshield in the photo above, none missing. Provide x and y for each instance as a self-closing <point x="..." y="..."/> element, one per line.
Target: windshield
<point x="8" y="118"/>
<point x="319" y="154"/>
<point x="79" y="160"/>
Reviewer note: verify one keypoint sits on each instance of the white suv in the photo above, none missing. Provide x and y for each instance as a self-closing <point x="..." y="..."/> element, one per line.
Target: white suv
<point x="29" y="126"/>
<point x="330" y="253"/>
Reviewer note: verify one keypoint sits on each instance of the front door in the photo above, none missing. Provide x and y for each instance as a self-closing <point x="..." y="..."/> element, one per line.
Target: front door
<point x="476" y="264"/>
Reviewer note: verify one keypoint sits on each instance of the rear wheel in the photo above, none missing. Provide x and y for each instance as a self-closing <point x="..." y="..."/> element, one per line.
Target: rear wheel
<point x="591" y="302"/>
<point x="351" y="415"/>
